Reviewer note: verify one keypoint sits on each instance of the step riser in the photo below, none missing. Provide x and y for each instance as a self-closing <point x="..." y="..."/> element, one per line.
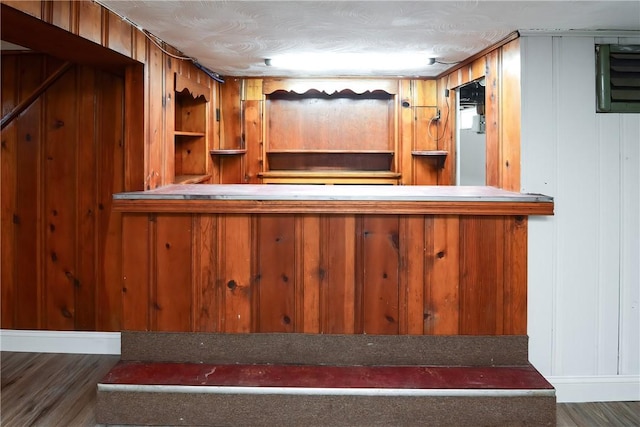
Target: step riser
<point x="335" y="350"/>
<point x="143" y="408"/>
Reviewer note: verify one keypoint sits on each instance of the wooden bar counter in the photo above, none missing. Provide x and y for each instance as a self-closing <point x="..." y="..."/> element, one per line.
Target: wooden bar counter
<point x="347" y="259"/>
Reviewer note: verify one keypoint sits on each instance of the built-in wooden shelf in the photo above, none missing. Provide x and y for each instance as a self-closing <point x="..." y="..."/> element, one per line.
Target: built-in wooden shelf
<point x="304" y="151"/>
<point x="189" y="134"/>
<point x="228" y="152"/>
<point x="191" y="179"/>
<point x="331" y="160"/>
<point x="329" y="177"/>
<point x="438" y="155"/>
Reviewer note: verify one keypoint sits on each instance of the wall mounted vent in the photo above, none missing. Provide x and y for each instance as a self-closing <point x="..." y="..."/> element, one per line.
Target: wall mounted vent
<point x="618" y="78"/>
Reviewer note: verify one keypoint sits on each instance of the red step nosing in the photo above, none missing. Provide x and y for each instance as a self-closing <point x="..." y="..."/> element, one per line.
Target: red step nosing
<point x="302" y="376"/>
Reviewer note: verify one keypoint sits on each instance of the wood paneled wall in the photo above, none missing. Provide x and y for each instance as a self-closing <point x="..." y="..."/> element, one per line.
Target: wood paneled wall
<point x="57" y="271"/>
<point x="501" y="69"/>
<point x="62" y="160"/>
<point x="376" y="274"/>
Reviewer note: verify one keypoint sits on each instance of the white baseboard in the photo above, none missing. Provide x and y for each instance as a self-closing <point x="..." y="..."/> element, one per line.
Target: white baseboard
<point x="609" y="388"/>
<point x="568" y="389"/>
<point x="60" y="342"/>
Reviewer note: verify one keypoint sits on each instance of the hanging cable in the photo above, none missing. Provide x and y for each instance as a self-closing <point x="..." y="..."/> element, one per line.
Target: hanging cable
<point x="437" y="116"/>
<point x="158" y="43"/>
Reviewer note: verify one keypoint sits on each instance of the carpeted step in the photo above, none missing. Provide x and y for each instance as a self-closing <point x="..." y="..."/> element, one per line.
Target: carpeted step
<point x="161" y="393"/>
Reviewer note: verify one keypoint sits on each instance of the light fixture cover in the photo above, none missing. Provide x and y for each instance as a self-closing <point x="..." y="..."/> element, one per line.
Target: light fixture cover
<point x="346" y="61"/>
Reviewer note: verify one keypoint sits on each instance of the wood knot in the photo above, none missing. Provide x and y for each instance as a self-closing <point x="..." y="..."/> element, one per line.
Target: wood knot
<point x="231" y="284"/>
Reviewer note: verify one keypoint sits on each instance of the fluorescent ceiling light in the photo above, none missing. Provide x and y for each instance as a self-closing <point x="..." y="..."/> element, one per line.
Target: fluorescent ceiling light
<point x="346" y="61"/>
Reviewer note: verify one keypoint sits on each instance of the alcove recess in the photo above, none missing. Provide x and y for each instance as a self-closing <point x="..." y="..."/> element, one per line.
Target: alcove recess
<point x="190" y="134"/>
<point x="323" y="131"/>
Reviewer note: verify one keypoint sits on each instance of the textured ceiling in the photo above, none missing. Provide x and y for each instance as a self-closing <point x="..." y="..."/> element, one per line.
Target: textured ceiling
<point x="234" y="37"/>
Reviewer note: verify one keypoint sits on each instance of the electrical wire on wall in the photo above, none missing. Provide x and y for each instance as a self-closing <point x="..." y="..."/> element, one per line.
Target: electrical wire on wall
<point x="437" y="116"/>
<point x="158" y="42"/>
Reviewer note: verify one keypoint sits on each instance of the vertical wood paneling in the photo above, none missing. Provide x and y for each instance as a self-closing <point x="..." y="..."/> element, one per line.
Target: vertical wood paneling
<point x="492" y="111"/>
<point x="253" y="141"/>
<point x="60" y="204"/>
<point x="509" y="106"/>
<point x="412" y="275"/>
<point x="481" y="250"/>
<point x="338" y="293"/>
<point x="111" y="179"/>
<point x="408" y="94"/>
<point x="446" y="128"/>
<point x="441" y="311"/>
<point x="138" y="229"/>
<point x="515" y="276"/>
<point x="89" y="21"/>
<point x="62" y="14"/>
<point x="230" y="114"/>
<point x="8" y="195"/>
<point x="119" y="34"/>
<point x="134" y="136"/>
<point x="155" y="137"/>
<point x="206" y="300"/>
<point x="312" y="274"/>
<point x="477" y="69"/>
<point x="63" y="254"/>
<point x="87" y="178"/>
<point x="28" y="243"/>
<point x="381" y="246"/>
<point x="172" y="305"/>
<point x="235" y="272"/>
<point x="276" y="251"/>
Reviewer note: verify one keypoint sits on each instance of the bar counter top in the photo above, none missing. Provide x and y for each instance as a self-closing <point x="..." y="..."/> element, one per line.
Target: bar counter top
<point x="371" y="199"/>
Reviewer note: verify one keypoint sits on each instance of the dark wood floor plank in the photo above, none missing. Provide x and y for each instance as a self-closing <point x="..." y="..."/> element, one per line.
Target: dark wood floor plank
<point x="50" y="389"/>
<point x="43" y="389"/>
<point x="598" y="414"/>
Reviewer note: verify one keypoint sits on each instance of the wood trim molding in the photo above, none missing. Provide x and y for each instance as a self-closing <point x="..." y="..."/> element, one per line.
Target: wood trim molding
<point x="329" y="86"/>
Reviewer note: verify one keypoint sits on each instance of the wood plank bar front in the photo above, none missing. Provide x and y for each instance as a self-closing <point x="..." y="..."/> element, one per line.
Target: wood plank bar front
<point x="327" y="259"/>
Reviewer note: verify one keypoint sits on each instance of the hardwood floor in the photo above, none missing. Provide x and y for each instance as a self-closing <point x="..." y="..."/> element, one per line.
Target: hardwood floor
<point x="43" y="389"/>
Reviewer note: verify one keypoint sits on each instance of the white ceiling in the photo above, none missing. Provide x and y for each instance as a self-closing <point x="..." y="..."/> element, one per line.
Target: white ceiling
<point x="233" y="38"/>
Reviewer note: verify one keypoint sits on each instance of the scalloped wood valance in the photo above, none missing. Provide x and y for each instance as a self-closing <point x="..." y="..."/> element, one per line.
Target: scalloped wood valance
<point x="195" y="89"/>
<point x="329" y="86"/>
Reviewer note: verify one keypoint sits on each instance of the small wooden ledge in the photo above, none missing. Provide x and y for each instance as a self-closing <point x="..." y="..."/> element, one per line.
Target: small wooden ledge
<point x="228" y="152"/>
<point x="188" y="134"/>
<point x="438" y="155"/>
<point x="329" y="177"/>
